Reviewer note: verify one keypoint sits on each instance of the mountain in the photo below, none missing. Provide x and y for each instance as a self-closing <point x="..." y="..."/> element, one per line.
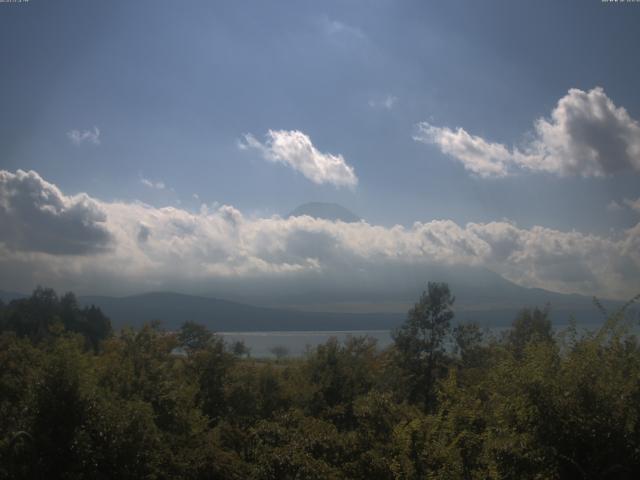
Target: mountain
<point x="481" y="295"/>
<point x="172" y="309"/>
<point x="325" y="211"/>
<point x="6" y="297"/>
<point x="220" y="315"/>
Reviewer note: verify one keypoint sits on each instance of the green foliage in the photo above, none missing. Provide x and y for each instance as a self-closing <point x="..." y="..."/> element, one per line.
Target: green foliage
<point x="469" y="344"/>
<point x="45" y="315"/>
<point x="530" y="326"/>
<point x="441" y="403"/>
<point x="240" y="349"/>
<point x="279" y="351"/>
<point x="338" y="374"/>
<point x="210" y="367"/>
<point x="194" y="337"/>
<point x="420" y="342"/>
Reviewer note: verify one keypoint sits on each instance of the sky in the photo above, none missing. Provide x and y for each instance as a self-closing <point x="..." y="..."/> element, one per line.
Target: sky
<point x="153" y="144"/>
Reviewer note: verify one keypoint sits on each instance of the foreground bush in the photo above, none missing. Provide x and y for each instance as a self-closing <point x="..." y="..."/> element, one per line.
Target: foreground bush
<point x="444" y="402"/>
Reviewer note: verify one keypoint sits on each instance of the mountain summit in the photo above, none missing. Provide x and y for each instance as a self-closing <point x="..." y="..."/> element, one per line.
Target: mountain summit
<point x="325" y="211"/>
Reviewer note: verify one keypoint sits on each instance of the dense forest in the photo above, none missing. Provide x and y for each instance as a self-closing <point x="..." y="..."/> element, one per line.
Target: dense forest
<point x="447" y="400"/>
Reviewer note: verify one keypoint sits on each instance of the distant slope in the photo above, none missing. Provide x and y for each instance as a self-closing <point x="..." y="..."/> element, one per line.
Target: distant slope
<point x="481" y="295"/>
<point x="326" y="211"/>
<point x="220" y="315"/>
<point x="172" y="309"/>
<point x="6" y="297"/>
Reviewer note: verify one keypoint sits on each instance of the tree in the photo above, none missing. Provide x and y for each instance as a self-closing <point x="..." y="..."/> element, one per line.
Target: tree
<point x="45" y="315"/>
<point x="240" y="349"/>
<point x="97" y="326"/>
<point x="211" y="366"/>
<point x="194" y="336"/>
<point x="31" y="317"/>
<point x="468" y="339"/>
<point x="529" y="326"/>
<point x="420" y="341"/>
<point x="339" y="373"/>
<point x="279" y="351"/>
<point x="60" y="407"/>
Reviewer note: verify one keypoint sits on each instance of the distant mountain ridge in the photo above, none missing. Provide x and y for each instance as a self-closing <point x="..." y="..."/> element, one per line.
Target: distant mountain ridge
<point x="481" y="296"/>
<point x="173" y="309"/>
<point x="6" y="297"/>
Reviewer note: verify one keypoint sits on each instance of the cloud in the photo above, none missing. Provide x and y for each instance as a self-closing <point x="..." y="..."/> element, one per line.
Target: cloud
<point x="35" y="216"/>
<point x="294" y="149"/>
<point x="143" y="233"/>
<point x="122" y="247"/>
<point x="335" y="28"/>
<point x="387" y="102"/>
<point x="586" y="134"/>
<point x="614" y="206"/>
<point x="151" y="184"/>
<point x="79" y="137"/>
<point x="633" y="204"/>
<point x="477" y="155"/>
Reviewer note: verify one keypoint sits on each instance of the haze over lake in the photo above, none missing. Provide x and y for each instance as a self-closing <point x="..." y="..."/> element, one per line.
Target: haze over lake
<point x="299" y="343"/>
<point x="261" y="344"/>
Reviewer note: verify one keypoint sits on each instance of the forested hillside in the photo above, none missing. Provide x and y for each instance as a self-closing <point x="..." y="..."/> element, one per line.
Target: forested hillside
<point x="80" y="401"/>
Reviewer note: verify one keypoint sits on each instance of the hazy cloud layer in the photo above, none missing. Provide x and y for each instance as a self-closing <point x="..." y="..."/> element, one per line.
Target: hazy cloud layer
<point x="294" y="149"/>
<point x="36" y="216"/>
<point x="586" y="134"/>
<point x="387" y="102"/>
<point x="154" y="248"/>
<point x="633" y="204"/>
<point x="159" y="185"/>
<point x="614" y="206"/>
<point x="336" y="28"/>
<point x="78" y="137"/>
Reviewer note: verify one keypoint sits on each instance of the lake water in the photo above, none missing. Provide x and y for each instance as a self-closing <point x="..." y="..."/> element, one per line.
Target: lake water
<point x="297" y="343"/>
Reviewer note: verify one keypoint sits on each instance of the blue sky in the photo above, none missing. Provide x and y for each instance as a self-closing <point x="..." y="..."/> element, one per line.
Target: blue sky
<point x="166" y="92"/>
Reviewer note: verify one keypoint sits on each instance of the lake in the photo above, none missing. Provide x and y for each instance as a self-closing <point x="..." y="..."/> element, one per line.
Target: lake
<point x="297" y="343"/>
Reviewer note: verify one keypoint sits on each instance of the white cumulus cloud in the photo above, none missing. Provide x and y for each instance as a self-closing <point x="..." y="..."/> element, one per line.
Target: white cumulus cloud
<point x="586" y="134"/>
<point x="294" y="149"/>
<point x="78" y="242"/>
<point x="37" y="217"/>
<point x="478" y="156"/>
